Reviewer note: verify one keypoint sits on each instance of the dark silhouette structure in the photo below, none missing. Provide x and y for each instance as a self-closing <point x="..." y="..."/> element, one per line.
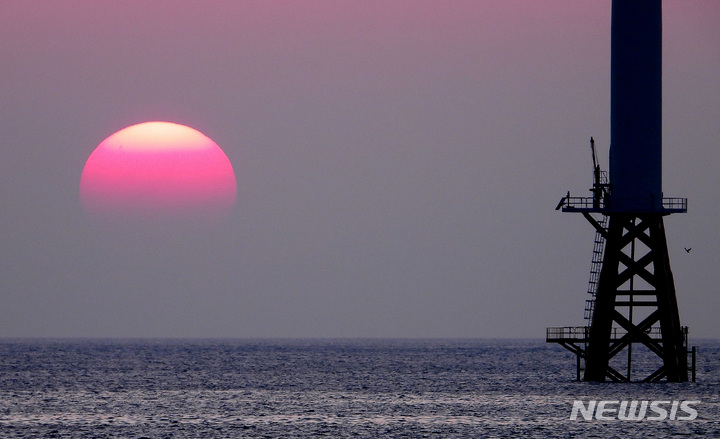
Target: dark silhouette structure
<point x="632" y="292"/>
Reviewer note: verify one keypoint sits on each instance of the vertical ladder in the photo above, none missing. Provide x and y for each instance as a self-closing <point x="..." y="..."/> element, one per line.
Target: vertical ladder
<point x="595" y="267"/>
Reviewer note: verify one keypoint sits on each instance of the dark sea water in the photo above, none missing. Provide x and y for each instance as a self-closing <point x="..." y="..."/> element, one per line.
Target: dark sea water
<point x="323" y="388"/>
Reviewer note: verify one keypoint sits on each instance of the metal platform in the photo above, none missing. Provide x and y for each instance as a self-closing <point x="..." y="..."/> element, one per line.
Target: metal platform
<point x="577" y="338"/>
<point x="598" y="205"/>
<point x="581" y="334"/>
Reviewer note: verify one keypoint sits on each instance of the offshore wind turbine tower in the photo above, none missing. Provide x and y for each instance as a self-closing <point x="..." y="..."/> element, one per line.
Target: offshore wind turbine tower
<point x="632" y="300"/>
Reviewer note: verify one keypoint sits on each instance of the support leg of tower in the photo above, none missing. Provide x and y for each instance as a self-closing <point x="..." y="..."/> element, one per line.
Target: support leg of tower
<point x="620" y="267"/>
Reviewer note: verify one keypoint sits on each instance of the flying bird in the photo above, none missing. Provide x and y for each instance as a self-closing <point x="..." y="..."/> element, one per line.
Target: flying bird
<point x="687" y="249"/>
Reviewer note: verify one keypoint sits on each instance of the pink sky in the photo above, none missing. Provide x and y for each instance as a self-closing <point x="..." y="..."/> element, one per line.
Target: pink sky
<point x="397" y="164"/>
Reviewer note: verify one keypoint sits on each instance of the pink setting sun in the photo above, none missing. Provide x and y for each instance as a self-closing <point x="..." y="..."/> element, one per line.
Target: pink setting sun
<point x="157" y="170"/>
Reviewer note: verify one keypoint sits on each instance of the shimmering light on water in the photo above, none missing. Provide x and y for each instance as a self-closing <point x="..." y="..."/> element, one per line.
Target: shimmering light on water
<point x="330" y="388"/>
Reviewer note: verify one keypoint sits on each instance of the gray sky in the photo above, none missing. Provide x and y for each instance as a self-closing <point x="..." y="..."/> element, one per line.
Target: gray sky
<point x="398" y="164"/>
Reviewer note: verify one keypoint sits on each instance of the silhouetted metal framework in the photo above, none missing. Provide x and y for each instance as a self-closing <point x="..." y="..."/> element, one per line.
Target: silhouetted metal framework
<point x="633" y="299"/>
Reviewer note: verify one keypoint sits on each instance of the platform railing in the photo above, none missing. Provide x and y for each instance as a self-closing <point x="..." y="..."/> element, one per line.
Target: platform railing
<point x="674" y="203"/>
<point x="568" y="333"/>
<point x="582" y="333"/>
<point x="595" y="204"/>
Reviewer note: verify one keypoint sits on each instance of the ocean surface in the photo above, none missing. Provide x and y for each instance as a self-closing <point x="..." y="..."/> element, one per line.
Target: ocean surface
<point x="324" y="388"/>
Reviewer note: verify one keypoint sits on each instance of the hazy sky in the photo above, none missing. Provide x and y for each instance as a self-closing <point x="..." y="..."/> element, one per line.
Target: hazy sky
<point x="398" y="165"/>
